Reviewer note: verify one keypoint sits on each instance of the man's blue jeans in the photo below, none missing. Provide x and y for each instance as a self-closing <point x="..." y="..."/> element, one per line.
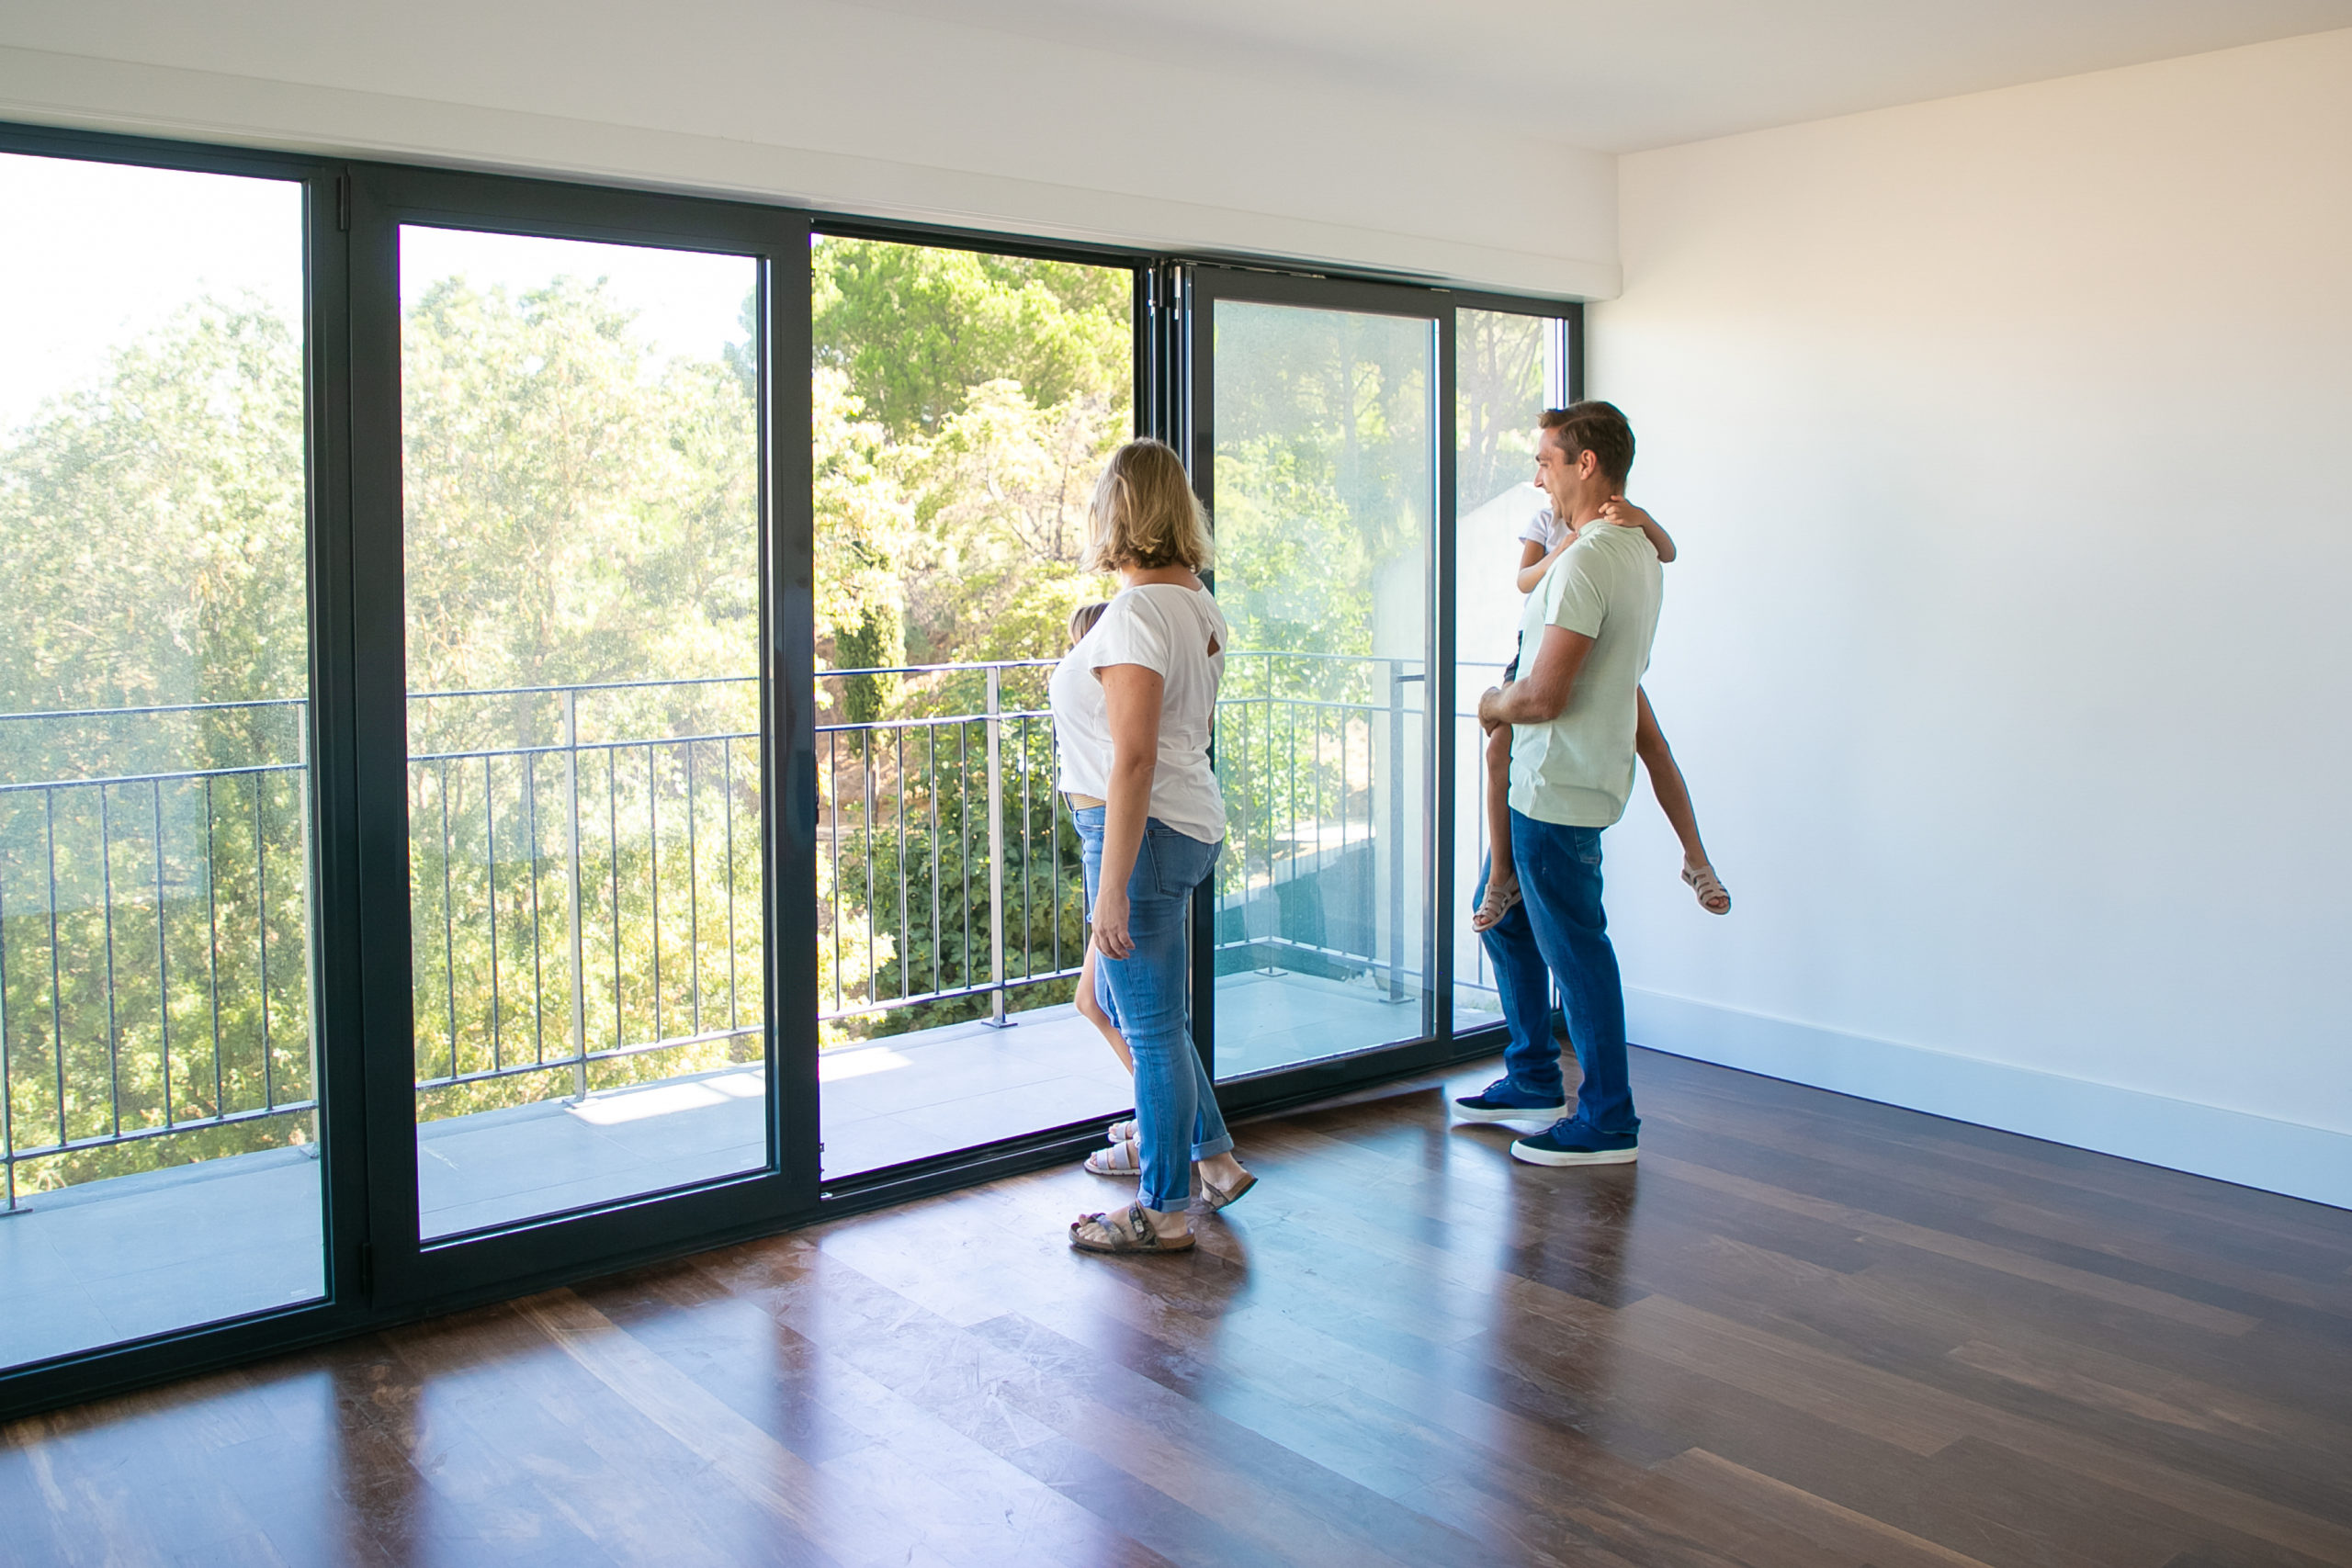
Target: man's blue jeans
<point x="1558" y="926"/>
<point x="1177" y="1119"/>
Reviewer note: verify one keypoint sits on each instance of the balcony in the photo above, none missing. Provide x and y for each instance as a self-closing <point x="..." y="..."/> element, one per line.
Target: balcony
<point x="587" y="956"/>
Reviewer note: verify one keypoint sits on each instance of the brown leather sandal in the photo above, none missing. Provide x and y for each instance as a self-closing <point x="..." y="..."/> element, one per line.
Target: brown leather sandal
<point x="1128" y="1232"/>
<point x="1225" y="1197"/>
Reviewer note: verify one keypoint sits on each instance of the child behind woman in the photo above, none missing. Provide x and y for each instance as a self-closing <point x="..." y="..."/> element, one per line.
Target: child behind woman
<point x="1122" y="1157"/>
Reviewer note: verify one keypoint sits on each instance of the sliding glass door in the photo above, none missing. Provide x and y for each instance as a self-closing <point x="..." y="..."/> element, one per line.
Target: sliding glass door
<point x="1512" y="361"/>
<point x="1316" y="443"/>
<point x="159" y="1081"/>
<point x="591" y="711"/>
<point x="964" y="400"/>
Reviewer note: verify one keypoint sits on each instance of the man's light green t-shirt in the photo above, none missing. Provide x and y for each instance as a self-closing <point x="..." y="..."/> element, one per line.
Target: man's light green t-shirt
<point x="1579" y="769"/>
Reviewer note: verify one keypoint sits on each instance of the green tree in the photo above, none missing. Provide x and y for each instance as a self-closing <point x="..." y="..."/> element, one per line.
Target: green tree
<point x="917" y="327"/>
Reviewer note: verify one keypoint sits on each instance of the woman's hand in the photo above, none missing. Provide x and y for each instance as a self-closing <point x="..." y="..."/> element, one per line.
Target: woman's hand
<point x="1111" y="937"/>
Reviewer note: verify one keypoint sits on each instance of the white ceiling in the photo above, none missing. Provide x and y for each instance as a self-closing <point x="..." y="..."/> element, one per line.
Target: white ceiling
<point x="1622" y="75"/>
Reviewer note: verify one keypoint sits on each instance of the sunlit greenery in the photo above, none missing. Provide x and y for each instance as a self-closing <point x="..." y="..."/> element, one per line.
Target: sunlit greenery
<point x="581" y="509"/>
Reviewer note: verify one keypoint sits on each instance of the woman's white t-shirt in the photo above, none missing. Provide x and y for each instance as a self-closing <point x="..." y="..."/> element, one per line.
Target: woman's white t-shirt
<point x="1168" y="628"/>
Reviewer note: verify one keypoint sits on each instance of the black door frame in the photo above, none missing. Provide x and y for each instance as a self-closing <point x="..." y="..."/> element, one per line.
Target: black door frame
<point x="408" y="1273"/>
<point x="343" y="1308"/>
<point x="1204" y="286"/>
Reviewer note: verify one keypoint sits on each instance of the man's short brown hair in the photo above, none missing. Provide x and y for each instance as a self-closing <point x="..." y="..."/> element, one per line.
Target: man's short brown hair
<point x="1596" y="428"/>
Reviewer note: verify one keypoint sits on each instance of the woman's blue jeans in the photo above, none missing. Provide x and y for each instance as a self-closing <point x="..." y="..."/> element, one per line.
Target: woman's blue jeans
<point x="1177" y="1120"/>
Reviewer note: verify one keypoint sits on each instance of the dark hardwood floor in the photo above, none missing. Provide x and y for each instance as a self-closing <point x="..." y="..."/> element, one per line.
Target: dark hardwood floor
<point x="1804" y="1332"/>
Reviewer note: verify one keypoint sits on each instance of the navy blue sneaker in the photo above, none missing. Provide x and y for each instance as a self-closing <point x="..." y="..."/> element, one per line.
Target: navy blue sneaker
<point x="1571" y="1143"/>
<point x="1499" y="1101"/>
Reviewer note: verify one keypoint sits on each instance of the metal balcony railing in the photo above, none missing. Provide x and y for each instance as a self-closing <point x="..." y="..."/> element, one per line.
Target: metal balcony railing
<point x="590" y="897"/>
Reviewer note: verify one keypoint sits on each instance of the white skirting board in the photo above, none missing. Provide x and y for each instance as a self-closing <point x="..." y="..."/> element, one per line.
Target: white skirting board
<point x="2230" y="1145"/>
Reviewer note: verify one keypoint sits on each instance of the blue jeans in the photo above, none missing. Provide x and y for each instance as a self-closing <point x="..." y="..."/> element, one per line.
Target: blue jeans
<point x="1559" y="927"/>
<point x="1146" y="994"/>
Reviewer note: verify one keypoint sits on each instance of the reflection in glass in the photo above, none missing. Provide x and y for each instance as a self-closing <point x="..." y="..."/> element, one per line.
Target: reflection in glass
<point x="581" y="483"/>
<point x="158" y="1121"/>
<point x="1508" y="369"/>
<point x="1324" y="486"/>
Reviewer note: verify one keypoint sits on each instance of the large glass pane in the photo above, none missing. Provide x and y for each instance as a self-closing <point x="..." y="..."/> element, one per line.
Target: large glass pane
<point x="158" y="1131"/>
<point x="580" y="478"/>
<point x="1324" y="486"/>
<point x="965" y="403"/>
<point x="1508" y="369"/>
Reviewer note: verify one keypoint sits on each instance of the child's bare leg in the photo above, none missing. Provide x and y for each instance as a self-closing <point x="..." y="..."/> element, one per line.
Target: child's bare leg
<point x="1089" y="1007"/>
<point x="1502" y="872"/>
<point x="1674" y="798"/>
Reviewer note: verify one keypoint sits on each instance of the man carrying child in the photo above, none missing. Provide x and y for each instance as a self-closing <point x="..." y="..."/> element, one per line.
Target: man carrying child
<point x="1584" y="643"/>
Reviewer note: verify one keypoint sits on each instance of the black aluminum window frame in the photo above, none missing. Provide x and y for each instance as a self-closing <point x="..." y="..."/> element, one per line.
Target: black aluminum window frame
<point x="377" y="1273"/>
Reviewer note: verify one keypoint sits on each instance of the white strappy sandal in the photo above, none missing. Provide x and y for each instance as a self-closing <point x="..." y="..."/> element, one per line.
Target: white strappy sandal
<point x="1712" y="898"/>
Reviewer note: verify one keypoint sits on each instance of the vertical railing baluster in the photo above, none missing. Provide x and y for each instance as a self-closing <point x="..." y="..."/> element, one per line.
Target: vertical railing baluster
<point x="212" y="930"/>
<point x="448" y="915"/>
<point x="613" y="834"/>
<point x="1054" y="849"/>
<point x="727" y="769"/>
<point x="56" y="982"/>
<point x="833" y="846"/>
<point x="1395" y="832"/>
<point x="694" y="902"/>
<point x="1028" y="920"/>
<point x="575" y="904"/>
<point x="260" y="905"/>
<point x="1273" y="899"/>
<point x="1290" y="788"/>
<point x="7" y="1083"/>
<point x="302" y="859"/>
<point x="538" y="939"/>
<point x="938" y="937"/>
<point x="996" y="850"/>
<point x="163" y="956"/>
<point x="866" y="794"/>
<point x="106" y="884"/>
<point x="963" y="839"/>
<point x="653" y="877"/>
<point x="906" y="931"/>
<point x="490" y="852"/>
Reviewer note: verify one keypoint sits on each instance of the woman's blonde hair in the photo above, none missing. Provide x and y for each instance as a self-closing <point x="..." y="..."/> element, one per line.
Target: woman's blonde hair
<point x="1083" y="619"/>
<point x="1145" y="513"/>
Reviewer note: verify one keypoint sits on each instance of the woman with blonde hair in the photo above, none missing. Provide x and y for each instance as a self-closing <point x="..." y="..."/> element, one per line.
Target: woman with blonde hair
<point x="1134" y="704"/>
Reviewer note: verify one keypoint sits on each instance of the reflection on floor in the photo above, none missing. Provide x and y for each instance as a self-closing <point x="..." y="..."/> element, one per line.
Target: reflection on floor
<point x="149" y="1254"/>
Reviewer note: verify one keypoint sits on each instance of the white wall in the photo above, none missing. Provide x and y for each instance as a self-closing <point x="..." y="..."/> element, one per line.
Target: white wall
<point x="845" y="106"/>
<point x="2008" y="440"/>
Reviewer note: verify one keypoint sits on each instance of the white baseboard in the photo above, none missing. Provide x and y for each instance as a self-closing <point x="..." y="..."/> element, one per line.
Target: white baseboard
<point x="2231" y="1146"/>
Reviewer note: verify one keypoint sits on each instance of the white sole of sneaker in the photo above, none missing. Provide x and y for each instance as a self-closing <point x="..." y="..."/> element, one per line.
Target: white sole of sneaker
<point x="1547" y="1114"/>
<point x="1519" y="1151"/>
